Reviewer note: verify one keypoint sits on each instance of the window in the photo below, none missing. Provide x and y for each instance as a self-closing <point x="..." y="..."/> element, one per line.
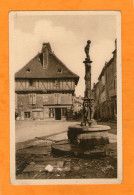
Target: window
<point x="59" y="70"/>
<point x="64" y="111"/>
<point x="31" y="82"/>
<point x="51" y="112"/>
<point x="28" y="70"/>
<point x="45" y="98"/>
<point x="57" y="84"/>
<point x="32" y="98"/>
<point x="26" y="114"/>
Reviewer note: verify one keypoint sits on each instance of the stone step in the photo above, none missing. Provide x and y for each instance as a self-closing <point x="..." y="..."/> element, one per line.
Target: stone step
<point x="65" y="148"/>
<point x="35" y="150"/>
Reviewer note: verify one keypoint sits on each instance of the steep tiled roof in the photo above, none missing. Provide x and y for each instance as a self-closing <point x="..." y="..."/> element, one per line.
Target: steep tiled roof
<point x="56" y="68"/>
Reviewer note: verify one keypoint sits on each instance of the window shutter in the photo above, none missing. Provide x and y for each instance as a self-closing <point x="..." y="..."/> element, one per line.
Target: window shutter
<point x="34" y="98"/>
<point x="30" y="98"/>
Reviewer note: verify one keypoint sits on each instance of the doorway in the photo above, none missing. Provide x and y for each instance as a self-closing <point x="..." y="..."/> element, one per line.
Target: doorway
<point x="57" y="113"/>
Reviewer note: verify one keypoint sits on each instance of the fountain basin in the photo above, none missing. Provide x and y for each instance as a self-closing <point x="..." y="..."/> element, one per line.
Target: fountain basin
<point x="88" y="136"/>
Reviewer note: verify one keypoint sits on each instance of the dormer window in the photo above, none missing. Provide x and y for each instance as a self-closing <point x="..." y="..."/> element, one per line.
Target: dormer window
<point x="28" y="70"/>
<point x="59" y="70"/>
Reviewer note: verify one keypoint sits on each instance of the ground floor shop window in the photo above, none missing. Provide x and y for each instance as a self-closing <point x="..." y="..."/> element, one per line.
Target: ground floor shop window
<point x="27" y="114"/>
<point x="64" y="111"/>
<point x="51" y="112"/>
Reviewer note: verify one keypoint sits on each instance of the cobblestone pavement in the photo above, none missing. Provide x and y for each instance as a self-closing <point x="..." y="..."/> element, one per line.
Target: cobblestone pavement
<point x="34" y="159"/>
<point x="52" y="167"/>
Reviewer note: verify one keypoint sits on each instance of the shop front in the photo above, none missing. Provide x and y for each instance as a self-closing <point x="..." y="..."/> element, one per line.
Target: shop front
<point x="56" y="112"/>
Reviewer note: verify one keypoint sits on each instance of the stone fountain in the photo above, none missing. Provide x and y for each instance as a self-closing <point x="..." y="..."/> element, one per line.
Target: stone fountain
<point x="87" y="137"/>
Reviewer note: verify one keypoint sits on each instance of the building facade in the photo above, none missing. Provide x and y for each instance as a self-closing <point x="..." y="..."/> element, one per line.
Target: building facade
<point x="44" y="88"/>
<point x="105" y="91"/>
<point x="77" y="104"/>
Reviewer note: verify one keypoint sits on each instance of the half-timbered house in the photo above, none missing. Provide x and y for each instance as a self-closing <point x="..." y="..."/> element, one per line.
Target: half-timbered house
<point x="44" y="87"/>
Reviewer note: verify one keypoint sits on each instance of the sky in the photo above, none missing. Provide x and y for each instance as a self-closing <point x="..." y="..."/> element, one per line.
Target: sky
<point x="67" y="32"/>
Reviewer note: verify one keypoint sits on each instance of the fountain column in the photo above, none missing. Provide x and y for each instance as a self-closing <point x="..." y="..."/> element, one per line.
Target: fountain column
<point x="83" y="138"/>
<point x="87" y="101"/>
<point x="88" y="133"/>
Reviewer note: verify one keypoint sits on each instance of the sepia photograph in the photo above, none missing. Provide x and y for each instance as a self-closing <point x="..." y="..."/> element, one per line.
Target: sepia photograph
<point x="65" y="97"/>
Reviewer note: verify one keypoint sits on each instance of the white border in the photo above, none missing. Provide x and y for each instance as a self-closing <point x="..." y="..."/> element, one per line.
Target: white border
<point x="15" y="181"/>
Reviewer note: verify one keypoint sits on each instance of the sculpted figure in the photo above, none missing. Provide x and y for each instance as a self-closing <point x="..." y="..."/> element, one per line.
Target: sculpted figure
<point x="87" y="47"/>
<point x="86" y="113"/>
<point x="92" y="110"/>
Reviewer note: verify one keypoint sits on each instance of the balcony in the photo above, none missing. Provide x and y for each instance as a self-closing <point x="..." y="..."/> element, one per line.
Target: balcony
<point x="112" y="93"/>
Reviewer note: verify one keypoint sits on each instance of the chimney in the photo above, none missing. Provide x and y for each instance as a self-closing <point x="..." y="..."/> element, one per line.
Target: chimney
<point x="46" y="49"/>
<point x="115" y="44"/>
<point x="115" y="51"/>
<point x="94" y="85"/>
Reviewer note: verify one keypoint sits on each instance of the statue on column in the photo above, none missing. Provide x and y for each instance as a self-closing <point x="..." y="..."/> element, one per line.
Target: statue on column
<point x="87" y="47"/>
